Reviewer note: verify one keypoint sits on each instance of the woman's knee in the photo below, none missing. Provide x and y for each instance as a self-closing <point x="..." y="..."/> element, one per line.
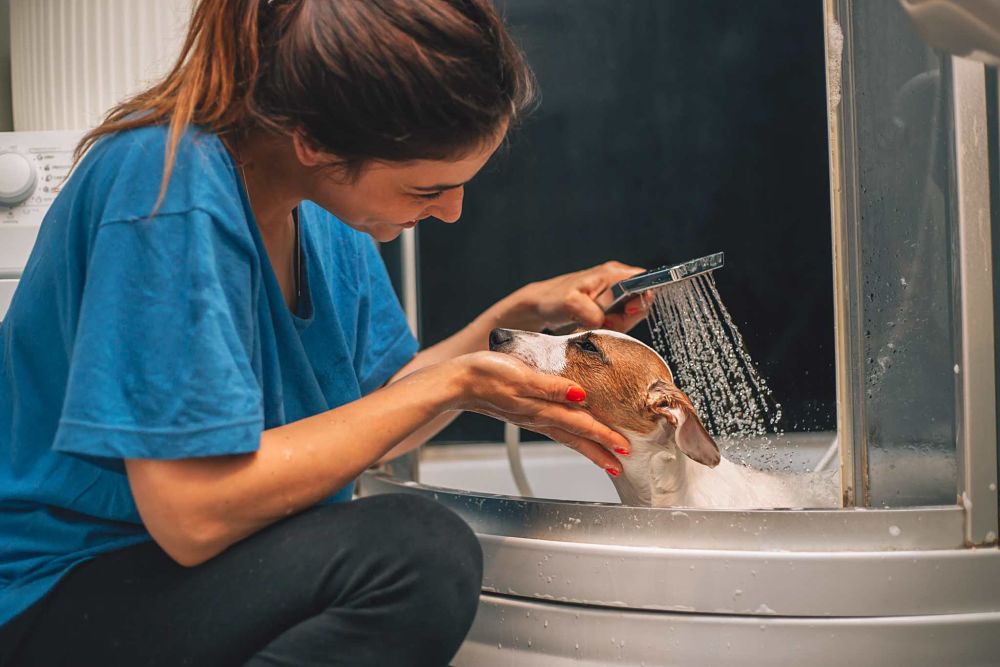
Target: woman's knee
<point x="437" y="558"/>
<point x="432" y="538"/>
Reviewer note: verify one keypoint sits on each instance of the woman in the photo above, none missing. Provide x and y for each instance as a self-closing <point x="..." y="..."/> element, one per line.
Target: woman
<point x="204" y="351"/>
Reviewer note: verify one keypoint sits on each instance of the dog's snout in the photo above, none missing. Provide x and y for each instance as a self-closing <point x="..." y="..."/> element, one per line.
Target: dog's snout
<point x="500" y="336"/>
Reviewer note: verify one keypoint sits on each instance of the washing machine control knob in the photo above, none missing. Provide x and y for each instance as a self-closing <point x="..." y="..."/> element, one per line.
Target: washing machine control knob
<point x="17" y="178"/>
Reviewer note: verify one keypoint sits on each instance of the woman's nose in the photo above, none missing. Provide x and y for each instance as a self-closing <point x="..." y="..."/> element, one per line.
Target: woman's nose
<point x="449" y="207"/>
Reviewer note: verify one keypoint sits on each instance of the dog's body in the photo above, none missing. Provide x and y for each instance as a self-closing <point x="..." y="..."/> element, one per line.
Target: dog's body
<point x="656" y="476"/>
<point x="673" y="462"/>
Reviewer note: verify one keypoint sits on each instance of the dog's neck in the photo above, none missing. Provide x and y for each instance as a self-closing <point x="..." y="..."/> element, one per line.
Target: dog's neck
<point x="656" y="473"/>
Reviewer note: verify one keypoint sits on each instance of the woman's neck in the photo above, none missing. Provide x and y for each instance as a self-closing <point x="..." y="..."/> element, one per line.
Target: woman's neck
<point x="274" y="181"/>
<point x="272" y="176"/>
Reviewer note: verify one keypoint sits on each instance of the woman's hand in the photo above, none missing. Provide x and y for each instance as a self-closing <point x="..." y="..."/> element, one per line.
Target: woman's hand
<point x="579" y="297"/>
<point x="501" y="386"/>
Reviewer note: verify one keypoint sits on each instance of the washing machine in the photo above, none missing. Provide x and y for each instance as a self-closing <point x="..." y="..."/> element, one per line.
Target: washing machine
<point x="33" y="168"/>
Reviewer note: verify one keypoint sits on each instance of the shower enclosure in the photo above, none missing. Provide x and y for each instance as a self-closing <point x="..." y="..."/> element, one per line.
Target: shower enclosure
<point x="907" y="571"/>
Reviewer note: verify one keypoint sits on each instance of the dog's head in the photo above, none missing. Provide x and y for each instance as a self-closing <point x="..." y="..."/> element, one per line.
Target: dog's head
<point x="629" y="386"/>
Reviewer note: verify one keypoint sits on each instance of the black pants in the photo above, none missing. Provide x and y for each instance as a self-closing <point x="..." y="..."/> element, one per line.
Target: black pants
<point x="387" y="580"/>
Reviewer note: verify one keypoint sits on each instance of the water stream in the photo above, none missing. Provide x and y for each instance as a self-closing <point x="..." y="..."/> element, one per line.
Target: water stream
<point x="692" y="329"/>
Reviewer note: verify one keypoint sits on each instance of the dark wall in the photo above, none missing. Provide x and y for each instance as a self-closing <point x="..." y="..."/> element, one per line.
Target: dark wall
<point x="668" y="129"/>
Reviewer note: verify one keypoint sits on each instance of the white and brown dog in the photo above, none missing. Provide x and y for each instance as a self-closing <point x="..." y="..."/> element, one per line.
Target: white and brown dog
<point x="673" y="460"/>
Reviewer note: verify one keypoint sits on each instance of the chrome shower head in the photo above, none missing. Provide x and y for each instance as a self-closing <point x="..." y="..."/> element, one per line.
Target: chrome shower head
<point x="665" y="275"/>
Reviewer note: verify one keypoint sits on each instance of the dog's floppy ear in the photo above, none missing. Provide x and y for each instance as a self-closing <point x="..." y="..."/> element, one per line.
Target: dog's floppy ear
<point x="667" y="400"/>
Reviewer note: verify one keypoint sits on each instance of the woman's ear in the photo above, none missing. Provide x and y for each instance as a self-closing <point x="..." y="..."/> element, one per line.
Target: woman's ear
<point x="306" y="153"/>
<point x="667" y="400"/>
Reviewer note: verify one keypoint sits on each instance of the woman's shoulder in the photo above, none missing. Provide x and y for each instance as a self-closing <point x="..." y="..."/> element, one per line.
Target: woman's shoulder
<point x="126" y="170"/>
<point x="150" y="139"/>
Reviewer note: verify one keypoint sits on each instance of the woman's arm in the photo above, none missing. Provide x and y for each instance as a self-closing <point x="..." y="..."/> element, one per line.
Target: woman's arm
<point x="196" y="508"/>
<point x="574" y="297"/>
<point x="472" y="338"/>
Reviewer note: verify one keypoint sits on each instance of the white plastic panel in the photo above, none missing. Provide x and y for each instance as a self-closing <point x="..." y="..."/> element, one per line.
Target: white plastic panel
<point x="50" y="155"/>
<point x="7" y="286"/>
<point x="71" y="60"/>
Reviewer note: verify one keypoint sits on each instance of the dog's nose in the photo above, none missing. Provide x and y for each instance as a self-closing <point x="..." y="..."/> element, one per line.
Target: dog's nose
<point x="500" y="336"/>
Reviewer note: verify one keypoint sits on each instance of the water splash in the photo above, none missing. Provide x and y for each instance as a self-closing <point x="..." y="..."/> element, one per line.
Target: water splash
<point x="695" y="333"/>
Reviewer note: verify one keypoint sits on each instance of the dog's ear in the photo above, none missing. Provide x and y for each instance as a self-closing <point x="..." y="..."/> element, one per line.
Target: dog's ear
<point x="667" y="400"/>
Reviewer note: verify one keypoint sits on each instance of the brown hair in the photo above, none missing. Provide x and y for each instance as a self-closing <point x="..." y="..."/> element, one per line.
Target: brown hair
<point x="363" y="80"/>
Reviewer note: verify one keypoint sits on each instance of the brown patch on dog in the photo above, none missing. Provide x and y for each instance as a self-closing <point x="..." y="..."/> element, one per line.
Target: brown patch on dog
<point x="616" y="379"/>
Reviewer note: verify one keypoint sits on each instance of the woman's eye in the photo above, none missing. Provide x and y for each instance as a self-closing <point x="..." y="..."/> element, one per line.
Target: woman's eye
<point x="428" y="195"/>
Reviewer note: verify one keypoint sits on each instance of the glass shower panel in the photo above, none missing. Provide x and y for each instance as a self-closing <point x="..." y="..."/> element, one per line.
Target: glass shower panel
<point x="906" y="287"/>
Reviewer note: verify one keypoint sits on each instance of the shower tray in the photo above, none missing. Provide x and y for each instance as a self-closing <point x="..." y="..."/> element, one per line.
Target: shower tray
<point x="573" y="578"/>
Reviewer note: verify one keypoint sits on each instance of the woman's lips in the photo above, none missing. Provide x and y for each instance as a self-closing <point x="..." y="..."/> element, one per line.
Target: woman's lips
<point x="411" y="224"/>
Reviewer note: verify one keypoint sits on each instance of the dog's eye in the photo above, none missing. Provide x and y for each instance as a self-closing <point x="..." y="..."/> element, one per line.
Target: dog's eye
<point x="587" y="346"/>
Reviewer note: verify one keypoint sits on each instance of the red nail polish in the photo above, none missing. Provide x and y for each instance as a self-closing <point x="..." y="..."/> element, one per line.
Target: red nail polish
<point x="575" y="394"/>
<point x="612" y="472"/>
<point x="622" y="451"/>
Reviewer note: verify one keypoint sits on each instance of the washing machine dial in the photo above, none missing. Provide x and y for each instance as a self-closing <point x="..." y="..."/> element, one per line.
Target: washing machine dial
<point x="17" y="178"/>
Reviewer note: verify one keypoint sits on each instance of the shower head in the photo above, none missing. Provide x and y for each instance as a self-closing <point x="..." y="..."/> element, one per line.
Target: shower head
<point x="665" y="275"/>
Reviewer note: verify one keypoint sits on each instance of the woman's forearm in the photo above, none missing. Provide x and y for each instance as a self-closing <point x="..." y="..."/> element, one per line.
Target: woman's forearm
<point x="196" y="508"/>
<point x="512" y="312"/>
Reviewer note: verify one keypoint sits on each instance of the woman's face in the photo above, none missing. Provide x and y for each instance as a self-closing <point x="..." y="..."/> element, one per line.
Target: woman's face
<point x="390" y="197"/>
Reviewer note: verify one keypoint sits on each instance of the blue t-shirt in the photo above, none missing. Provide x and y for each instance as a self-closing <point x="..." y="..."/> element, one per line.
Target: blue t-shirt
<point x="165" y="337"/>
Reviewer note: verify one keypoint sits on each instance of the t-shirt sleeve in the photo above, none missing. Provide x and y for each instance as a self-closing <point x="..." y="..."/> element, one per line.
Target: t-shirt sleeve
<point x="385" y="342"/>
<point x="161" y="365"/>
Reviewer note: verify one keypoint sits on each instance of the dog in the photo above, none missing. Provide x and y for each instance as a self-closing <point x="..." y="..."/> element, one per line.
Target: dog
<point x="673" y="461"/>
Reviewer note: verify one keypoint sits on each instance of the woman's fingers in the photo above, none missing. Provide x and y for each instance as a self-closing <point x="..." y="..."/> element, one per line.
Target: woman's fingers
<point x="547" y="404"/>
<point x="580" y="297"/>
<point x="559" y="394"/>
<point x="581" y="424"/>
<point x="584" y="310"/>
<point x="634" y="311"/>
<point x="588" y="448"/>
<point x="603" y="276"/>
<point x="550" y="401"/>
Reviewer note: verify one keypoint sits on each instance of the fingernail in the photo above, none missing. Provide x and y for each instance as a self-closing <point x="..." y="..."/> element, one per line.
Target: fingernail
<point x="622" y="451"/>
<point x="575" y="394"/>
<point x="612" y="472"/>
